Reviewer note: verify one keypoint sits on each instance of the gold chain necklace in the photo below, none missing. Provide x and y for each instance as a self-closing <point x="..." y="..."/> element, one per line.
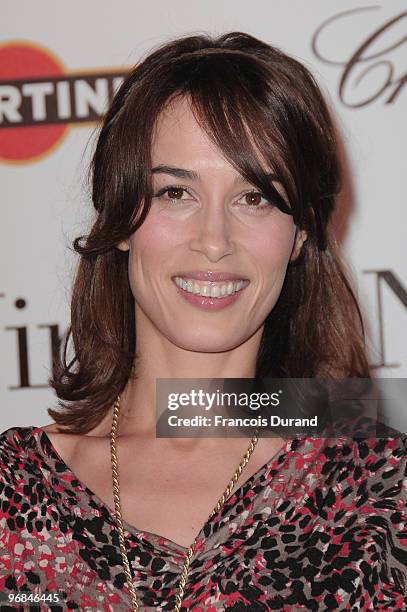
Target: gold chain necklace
<point x="119" y="519"/>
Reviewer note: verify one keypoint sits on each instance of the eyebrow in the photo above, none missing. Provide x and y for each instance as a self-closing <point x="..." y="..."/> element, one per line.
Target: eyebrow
<point x="183" y="173"/>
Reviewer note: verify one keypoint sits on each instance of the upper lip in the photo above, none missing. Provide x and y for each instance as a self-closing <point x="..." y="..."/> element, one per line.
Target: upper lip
<point x="210" y="275"/>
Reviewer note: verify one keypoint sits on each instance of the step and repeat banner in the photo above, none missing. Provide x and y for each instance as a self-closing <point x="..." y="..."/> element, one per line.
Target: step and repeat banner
<point x="60" y="64"/>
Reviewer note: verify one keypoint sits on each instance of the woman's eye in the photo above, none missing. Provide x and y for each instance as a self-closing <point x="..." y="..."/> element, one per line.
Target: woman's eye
<point x="174" y="193"/>
<point x="255" y="199"/>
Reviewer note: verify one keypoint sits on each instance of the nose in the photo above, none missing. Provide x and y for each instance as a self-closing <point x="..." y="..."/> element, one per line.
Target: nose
<point x="212" y="233"/>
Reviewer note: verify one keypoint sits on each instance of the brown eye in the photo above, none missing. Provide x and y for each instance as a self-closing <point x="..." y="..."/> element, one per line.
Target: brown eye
<point x="255" y="201"/>
<point x="172" y="194"/>
<point x="253" y="198"/>
<point x="175" y="193"/>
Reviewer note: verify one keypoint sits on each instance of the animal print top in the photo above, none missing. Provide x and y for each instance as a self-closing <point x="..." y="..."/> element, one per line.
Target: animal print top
<point x="321" y="526"/>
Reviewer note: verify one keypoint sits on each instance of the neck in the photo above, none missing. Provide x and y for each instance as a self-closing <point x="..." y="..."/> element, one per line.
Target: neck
<point x="159" y="358"/>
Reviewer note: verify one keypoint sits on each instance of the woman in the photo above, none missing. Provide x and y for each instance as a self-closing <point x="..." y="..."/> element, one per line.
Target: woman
<point x="214" y="178"/>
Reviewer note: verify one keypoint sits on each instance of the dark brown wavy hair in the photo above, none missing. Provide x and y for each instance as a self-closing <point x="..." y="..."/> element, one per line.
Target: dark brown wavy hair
<point x="242" y="90"/>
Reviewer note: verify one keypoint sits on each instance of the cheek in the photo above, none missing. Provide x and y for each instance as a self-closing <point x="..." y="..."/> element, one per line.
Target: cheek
<point x="274" y="243"/>
<point x="150" y="245"/>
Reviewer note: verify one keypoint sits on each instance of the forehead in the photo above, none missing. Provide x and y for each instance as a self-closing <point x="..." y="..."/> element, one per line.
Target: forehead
<point x="176" y="113"/>
<point x="179" y="139"/>
<point x="178" y="136"/>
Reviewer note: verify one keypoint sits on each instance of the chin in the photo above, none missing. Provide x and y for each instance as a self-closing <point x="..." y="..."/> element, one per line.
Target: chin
<point x="206" y="342"/>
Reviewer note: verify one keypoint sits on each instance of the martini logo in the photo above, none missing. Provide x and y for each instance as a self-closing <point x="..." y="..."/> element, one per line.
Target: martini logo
<point x="40" y="100"/>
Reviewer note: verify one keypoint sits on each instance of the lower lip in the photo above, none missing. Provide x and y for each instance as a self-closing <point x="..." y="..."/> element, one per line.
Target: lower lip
<point x="210" y="303"/>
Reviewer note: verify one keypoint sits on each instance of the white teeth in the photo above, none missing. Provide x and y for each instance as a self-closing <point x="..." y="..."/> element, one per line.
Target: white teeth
<point x="215" y="290"/>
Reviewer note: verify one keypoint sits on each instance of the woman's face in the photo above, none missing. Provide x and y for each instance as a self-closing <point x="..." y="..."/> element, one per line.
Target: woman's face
<point x="207" y="222"/>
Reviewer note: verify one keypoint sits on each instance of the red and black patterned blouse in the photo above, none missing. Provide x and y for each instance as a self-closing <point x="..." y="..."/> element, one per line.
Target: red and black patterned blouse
<point x="321" y="526"/>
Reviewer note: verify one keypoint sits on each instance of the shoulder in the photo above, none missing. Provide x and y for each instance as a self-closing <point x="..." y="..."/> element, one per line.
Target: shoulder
<point x="381" y="476"/>
<point x="366" y="480"/>
<point x="376" y="468"/>
<point x="383" y="458"/>
<point x="17" y="453"/>
<point x="15" y="440"/>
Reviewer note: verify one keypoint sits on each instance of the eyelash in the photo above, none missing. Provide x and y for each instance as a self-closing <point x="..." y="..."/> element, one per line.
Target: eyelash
<point x="254" y="207"/>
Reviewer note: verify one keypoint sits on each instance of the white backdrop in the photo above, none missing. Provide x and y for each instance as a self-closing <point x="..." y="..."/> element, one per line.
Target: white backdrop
<point x="353" y="47"/>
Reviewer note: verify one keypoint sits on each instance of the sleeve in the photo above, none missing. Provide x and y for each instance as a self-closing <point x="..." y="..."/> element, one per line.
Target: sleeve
<point x="37" y="552"/>
<point x="21" y="565"/>
<point x="383" y="508"/>
<point x="13" y="554"/>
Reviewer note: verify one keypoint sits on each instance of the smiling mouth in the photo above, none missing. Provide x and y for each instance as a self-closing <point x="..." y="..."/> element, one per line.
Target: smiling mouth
<point x="210" y="289"/>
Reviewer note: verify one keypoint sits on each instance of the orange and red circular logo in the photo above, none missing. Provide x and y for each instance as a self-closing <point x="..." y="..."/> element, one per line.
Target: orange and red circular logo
<point x="40" y="99"/>
<point x="23" y="63"/>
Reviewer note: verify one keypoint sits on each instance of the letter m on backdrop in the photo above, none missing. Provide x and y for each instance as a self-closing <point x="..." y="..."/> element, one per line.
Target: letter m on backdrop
<point x="383" y="278"/>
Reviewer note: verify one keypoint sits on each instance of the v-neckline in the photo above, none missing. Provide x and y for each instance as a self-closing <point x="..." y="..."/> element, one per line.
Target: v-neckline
<point x="152" y="537"/>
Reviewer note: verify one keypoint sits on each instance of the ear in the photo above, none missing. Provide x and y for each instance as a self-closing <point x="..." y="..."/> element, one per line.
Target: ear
<point x="124" y="245"/>
<point x="300" y="238"/>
